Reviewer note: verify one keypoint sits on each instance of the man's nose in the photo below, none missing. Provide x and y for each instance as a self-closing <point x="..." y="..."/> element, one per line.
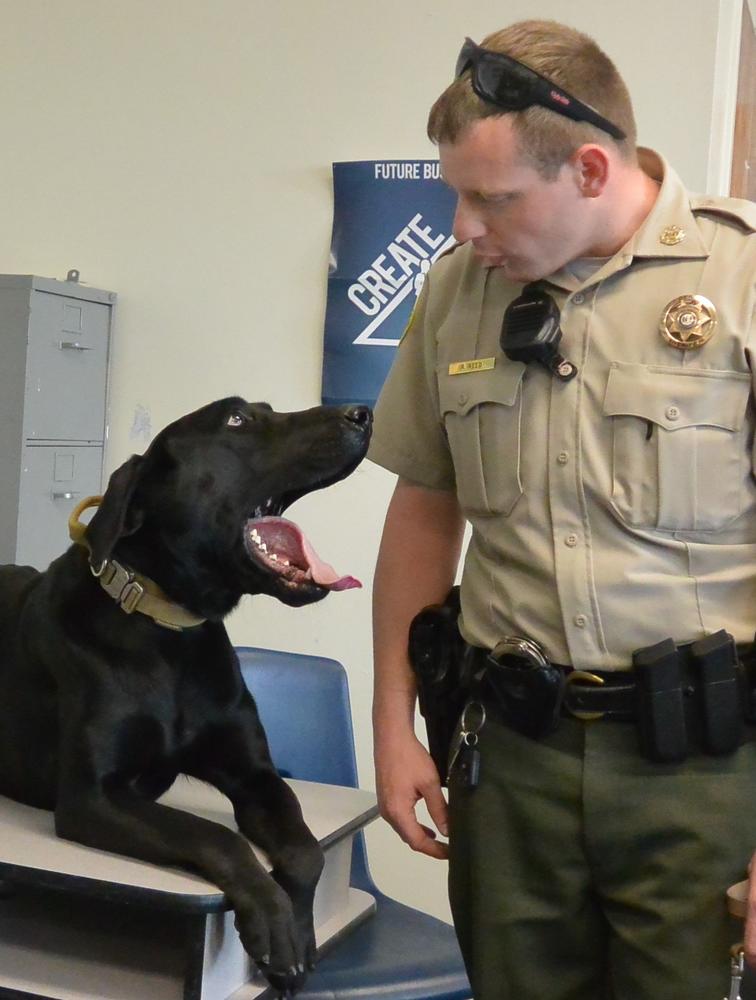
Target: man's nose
<point x="467" y="224"/>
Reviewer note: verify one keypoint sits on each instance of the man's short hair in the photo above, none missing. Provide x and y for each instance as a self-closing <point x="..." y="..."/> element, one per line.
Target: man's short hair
<point x="569" y="59"/>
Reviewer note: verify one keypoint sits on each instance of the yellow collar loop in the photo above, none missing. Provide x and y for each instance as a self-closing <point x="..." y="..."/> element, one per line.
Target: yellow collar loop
<point x="76" y="530"/>
<point x="131" y="591"/>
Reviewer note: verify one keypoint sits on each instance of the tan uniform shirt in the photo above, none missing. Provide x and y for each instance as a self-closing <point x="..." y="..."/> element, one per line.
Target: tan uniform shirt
<point x="618" y="508"/>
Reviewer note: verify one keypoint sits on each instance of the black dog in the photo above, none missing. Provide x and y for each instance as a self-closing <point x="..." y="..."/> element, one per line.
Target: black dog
<point x="100" y="710"/>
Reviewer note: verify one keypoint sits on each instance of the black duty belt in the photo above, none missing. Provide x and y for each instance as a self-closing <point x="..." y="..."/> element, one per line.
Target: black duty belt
<point x="687" y="698"/>
<point x="614" y="694"/>
<point x="697" y="693"/>
<point x="603" y="694"/>
<point x="617" y="694"/>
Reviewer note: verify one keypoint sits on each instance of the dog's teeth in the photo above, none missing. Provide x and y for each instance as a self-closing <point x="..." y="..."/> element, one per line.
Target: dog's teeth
<point x="284" y="561"/>
<point x="263" y="546"/>
<point x="255" y="535"/>
<point x="274" y="556"/>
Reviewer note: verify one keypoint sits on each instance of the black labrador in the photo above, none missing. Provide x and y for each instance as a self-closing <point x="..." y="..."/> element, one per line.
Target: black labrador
<point x="116" y="672"/>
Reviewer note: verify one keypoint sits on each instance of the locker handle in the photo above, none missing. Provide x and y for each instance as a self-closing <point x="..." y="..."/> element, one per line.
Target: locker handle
<point x="66" y="496"/>
<point x="73" y="345"/>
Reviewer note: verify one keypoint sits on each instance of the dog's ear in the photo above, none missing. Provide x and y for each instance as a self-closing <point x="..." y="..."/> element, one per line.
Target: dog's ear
<point x="115" y="517"/>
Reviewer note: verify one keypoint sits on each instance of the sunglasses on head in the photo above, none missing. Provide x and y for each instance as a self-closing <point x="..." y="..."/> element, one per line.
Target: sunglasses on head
<point x="513" y="86"/>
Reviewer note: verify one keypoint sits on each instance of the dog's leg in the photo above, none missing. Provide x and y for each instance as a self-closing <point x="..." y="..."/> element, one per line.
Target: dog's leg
<point x="269" y="814"/>
<point x="123" y="822"/>
<point x="236" y="761"/>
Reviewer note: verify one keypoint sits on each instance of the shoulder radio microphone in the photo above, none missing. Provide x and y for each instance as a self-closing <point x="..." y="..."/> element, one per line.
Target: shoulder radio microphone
<point x="530" y="332"/>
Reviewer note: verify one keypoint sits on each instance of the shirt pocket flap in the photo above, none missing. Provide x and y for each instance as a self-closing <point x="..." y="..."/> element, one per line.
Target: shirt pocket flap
<point x="460" y="393"/>
<point x="676" y="398"/>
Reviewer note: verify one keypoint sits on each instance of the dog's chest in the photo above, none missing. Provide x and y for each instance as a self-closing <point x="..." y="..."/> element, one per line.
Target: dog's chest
<point x="157" y="736"/>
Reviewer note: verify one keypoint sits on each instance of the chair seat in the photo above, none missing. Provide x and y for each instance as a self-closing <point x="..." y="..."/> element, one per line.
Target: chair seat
<point x="399" y="953"/>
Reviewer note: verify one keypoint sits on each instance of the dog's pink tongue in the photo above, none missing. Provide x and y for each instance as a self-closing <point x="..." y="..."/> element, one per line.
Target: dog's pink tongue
<point x="286" y="543"/>
<point x="325" y="574"/>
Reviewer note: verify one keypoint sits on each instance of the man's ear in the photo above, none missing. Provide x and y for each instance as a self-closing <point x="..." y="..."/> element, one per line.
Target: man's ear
<point x="592" y="167"/>
<point x="115" y="517"/>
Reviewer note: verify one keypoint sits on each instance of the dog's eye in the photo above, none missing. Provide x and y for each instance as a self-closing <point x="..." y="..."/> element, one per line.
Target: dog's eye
<point x="235" y="420"/>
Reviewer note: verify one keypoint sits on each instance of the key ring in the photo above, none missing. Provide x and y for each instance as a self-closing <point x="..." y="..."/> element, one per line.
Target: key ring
<point x="469" y="730"/>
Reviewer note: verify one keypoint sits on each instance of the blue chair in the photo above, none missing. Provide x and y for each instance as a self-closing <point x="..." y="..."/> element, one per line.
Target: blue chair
<point x="400" y="952"/>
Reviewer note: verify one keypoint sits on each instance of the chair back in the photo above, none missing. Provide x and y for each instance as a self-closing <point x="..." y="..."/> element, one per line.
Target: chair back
<point x="304" y="706"/>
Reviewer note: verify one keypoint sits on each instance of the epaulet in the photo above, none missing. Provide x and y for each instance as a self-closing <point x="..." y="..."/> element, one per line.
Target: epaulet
<point x="738" y="210"/>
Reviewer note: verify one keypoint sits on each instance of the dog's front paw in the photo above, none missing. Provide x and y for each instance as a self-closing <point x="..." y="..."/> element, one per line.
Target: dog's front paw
<point x="269" y="933"/>
<point x="285" y="983"/>
<point x="299" y="878"/>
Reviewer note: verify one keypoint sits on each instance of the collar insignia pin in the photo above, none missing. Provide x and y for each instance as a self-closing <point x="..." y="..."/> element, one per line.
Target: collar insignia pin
<point x="670" y="236"/>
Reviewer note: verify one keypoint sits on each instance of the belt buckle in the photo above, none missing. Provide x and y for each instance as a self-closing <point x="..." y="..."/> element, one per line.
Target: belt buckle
<point x="584" y="677"/>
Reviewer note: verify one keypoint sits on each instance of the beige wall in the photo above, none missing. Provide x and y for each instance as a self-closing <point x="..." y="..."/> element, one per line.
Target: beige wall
<point x="178" y="152"/>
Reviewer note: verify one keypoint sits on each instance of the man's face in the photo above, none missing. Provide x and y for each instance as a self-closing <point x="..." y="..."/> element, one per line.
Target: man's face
<point x="514" y="218"/>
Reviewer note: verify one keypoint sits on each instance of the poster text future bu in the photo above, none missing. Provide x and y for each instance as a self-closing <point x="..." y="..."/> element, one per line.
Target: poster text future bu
<point x="407" y="170"/>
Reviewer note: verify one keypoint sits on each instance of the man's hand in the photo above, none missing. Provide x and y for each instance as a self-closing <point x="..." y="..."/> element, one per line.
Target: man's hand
<point x="405" y="774"/>
<point x="419" y="553"/>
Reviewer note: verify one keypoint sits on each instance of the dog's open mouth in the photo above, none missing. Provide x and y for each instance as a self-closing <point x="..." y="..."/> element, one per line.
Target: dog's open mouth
<point x="280" y="547"/>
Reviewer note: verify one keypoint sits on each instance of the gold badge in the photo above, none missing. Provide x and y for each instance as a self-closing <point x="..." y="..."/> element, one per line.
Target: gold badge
<point x="688" y="322"/>
<point x="671" y="236"/>
<point x="476" y="365"/>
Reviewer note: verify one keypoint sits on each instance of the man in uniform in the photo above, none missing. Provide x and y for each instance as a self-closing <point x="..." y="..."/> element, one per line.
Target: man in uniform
<point x="609" y="485"/>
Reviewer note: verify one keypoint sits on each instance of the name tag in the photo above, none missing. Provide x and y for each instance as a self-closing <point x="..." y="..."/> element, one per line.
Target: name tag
<point x="476" y="365"/>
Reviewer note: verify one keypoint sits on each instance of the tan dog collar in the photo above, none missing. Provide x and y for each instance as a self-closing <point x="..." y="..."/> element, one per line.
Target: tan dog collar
<point x="131" y="591"/>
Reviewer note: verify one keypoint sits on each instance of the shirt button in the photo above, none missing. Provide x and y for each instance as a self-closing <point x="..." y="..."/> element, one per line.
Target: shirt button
<point x="672" y="413"/>
<point x="578" y="298"/>
<point x="563" y="458"/>
<point x="580" y="620"/>
<point x="571" y="541"/>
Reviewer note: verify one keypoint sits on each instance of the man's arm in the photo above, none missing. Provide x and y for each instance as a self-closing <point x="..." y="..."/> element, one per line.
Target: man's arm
<point x="417" y="562"/>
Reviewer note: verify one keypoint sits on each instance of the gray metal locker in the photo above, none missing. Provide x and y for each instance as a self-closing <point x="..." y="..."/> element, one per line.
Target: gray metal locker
<point x="54" y="352"/>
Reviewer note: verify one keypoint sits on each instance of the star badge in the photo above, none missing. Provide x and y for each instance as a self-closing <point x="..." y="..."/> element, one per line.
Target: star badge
<point x="688" y="322"/>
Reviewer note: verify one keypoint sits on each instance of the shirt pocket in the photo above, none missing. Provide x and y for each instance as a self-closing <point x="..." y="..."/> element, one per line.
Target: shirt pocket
<point x="482" y="414"/>
<point x="680" y="460"/>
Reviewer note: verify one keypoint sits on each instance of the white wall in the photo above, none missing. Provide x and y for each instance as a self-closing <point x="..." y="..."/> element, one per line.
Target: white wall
<point x="179" y="153"/>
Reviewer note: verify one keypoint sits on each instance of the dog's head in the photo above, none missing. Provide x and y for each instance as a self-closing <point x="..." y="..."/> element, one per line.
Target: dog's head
<point x="200" y="511"/>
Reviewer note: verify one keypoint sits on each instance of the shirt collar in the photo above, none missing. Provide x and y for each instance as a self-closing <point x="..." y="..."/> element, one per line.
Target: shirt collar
<point x="670" y="228"/>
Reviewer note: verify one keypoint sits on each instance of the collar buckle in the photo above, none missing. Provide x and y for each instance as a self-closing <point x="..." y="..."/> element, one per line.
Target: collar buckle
<point x="106" y="573"/>
<point x="130" y="596"/>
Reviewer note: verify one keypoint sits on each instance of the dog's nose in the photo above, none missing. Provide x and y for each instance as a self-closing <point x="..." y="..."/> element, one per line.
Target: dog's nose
<point x="361" y="415"/>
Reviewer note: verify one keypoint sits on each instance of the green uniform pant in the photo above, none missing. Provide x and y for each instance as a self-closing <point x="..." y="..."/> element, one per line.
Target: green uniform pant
<point x="581" y="871"/>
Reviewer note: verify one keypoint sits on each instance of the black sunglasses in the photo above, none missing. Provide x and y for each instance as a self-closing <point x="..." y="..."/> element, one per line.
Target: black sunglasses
<point x="512" y="85"/>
